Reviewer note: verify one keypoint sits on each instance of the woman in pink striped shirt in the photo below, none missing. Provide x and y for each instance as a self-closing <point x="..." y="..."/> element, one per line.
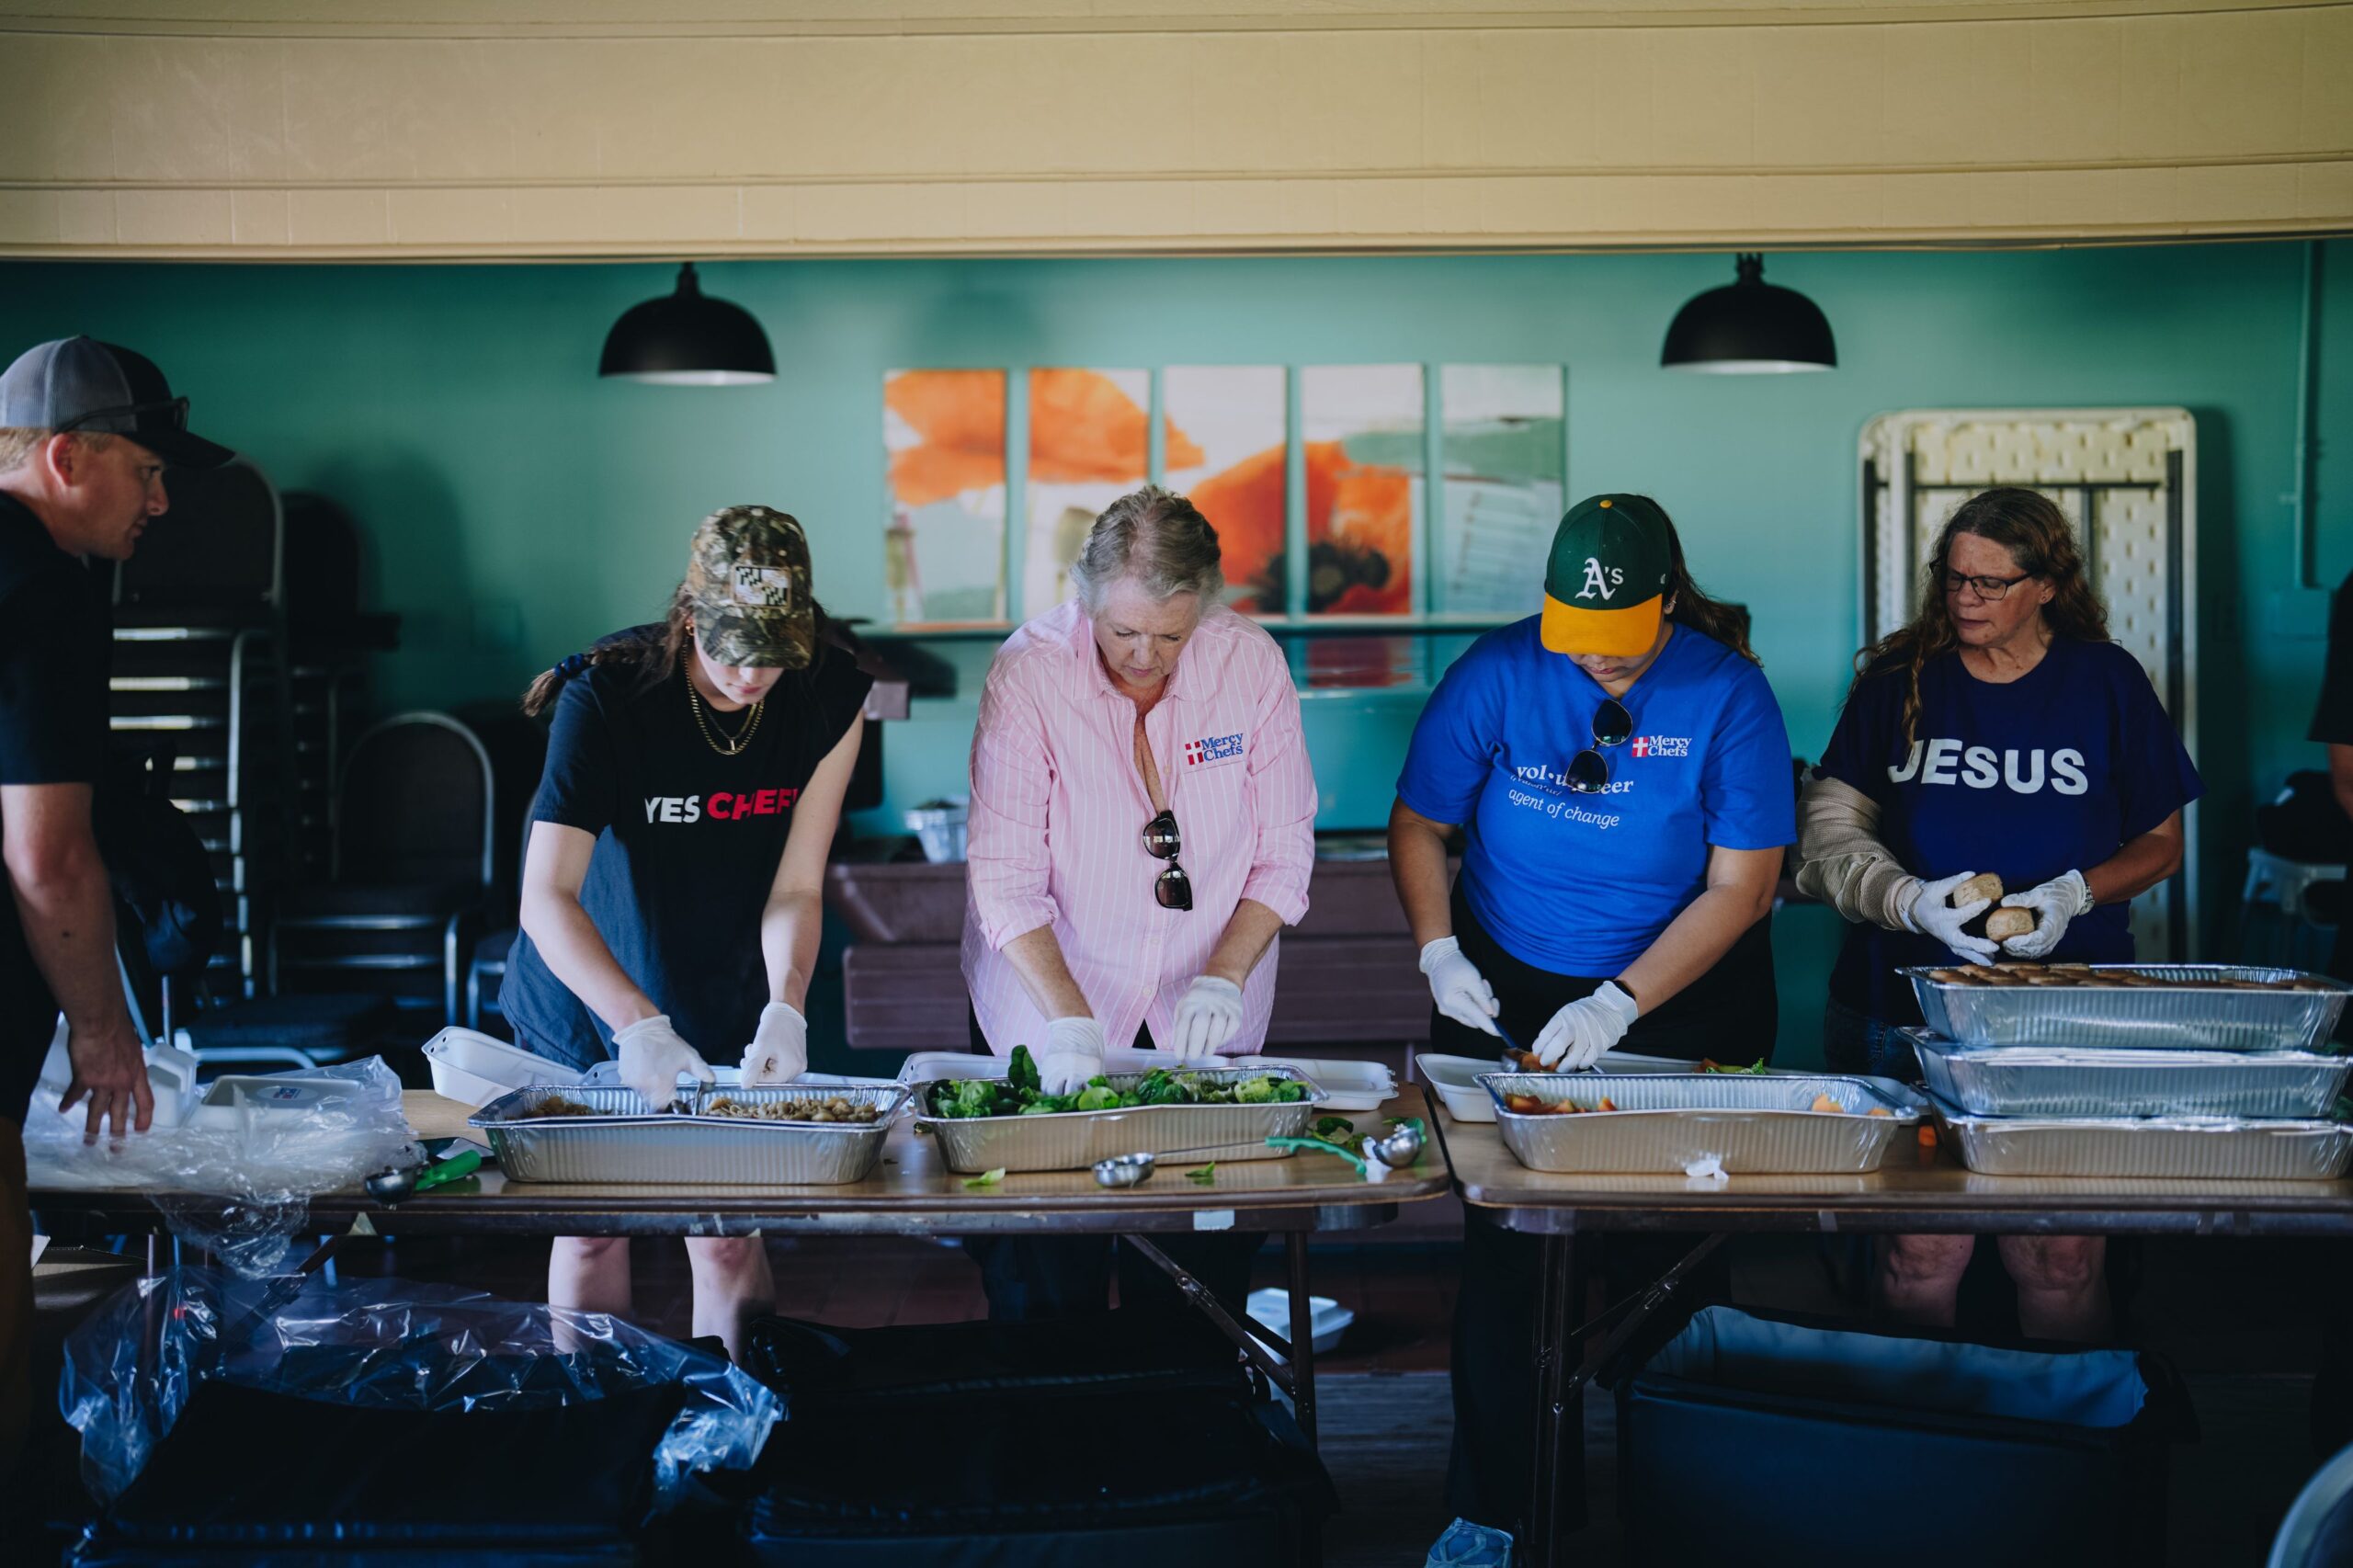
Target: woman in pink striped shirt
<point x="1142" y="814"/>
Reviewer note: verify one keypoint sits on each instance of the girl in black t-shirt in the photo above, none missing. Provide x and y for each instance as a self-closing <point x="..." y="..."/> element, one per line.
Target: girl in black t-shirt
<point x="694" y="776"/>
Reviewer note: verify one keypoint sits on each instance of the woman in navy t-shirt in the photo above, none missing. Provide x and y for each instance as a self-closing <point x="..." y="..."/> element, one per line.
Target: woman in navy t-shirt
<point x="671" y="905"/>
<point x="1621" y="769"/>
<point x="2001" y="731"/>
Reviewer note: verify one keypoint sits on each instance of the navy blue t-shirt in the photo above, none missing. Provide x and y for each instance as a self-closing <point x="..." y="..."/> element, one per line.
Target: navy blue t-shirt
<point x="1582" y="884"/>
<point x="55" y="646"/>
<point x="687" y="843"/>
<point x="2050" y="773"/>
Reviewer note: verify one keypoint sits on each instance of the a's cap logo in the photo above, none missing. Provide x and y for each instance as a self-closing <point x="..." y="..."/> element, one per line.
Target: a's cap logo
<point x="1599" y="579"/>
<point x="763" y="587"/>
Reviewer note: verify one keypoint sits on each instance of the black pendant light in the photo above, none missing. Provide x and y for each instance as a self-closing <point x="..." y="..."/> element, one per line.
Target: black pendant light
<point x="689" y="340"/>
<point x="1749" y="328"/>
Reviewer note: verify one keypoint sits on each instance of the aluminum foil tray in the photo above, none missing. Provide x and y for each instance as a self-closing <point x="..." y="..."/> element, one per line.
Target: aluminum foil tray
<point x="2027" y="1080"/>
<point x="1071" y="1140"/>
<point x="1668" y="1122"/>
<point x="2209" y="1149"/>
<point x="630" y="1142"/>
<point x="2175" y="1017"/>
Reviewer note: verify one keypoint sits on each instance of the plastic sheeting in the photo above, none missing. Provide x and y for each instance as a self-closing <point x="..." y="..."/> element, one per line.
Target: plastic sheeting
<point x="383" y="1344"/>
<point x="238" y="1180"/>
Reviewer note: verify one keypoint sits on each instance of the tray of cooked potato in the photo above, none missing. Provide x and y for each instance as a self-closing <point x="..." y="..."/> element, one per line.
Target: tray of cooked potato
<point x="771" y="1135"/>
<point x="2155" y="1006"/>
<point x="1735" y="1123"/>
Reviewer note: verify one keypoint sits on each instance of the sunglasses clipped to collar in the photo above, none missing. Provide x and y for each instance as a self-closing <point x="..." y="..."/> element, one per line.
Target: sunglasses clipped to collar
<point x="1588" y="771"/>
<point x="1173" y="889"/>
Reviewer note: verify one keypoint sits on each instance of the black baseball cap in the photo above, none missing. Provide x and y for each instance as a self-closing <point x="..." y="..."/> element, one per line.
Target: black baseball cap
<point x="79" y="383"/>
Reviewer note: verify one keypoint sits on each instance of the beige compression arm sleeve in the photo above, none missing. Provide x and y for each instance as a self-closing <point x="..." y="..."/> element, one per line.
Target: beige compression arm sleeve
<point x="1841" y="860"/>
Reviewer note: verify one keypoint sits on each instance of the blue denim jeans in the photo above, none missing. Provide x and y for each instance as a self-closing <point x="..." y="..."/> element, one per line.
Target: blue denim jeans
<point x="1854" y="1041"/>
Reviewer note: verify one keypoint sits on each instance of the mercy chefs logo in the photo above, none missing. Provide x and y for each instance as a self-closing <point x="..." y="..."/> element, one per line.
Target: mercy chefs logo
<point x="1210" y="750"/>
<point x="1659" y="745"/>
<point x="726" y="806"/>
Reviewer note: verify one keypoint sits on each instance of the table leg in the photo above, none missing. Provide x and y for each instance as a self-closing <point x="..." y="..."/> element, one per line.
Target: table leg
<point x="1303" y="1337"/>
<point x="1554" y="1409"/>
<point x="1289" y="1365"/>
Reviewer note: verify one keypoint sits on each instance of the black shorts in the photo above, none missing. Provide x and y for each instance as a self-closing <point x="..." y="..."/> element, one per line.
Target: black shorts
<point x="1731" y="1013"/>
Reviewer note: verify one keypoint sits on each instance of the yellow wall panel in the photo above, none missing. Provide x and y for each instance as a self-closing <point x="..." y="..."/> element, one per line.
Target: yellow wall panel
<point x="591" y="126"/>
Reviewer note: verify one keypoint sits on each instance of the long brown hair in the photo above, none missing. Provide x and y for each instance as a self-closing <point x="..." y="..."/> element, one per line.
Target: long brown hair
<point x="651" y="654"/>
<point x="1709" y="618"/>
<point x="2029" y="524"/>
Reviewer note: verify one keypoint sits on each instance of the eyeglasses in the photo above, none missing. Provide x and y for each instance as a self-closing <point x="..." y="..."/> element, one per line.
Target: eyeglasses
<point x="1588" y="771"/>
<point x="1990" y="589"/>
<point x="174" y="411"/>
<point x="1172" y="888"/>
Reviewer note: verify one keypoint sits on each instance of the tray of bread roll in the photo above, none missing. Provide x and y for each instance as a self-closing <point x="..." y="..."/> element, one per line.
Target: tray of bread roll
<point x="2153" y="1006"/>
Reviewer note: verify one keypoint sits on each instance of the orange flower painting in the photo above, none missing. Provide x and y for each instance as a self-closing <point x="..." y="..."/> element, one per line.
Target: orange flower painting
<point x="1363" y="426"/>
<point x="1228" y="443"/>
<point x="944" y="432"/>
<point x="1088" y="435"/>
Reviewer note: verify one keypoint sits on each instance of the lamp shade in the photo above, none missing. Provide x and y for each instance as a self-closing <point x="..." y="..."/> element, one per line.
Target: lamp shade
<point x="688" y="339"/>
<point x="1749" y="327"/>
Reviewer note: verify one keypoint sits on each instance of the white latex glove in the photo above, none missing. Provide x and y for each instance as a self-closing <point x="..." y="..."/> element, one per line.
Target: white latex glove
<point x="1581" y="1031"/>
<point x="1461" y="991"/>
<point x="1206" y="1016"/>
<point x="1073" y="1053"/>
<point x="652" y="1057"/>
<point x="780" y="1050"/>
<point x="1930" y="916"/>
<point x="2054" y="904"/>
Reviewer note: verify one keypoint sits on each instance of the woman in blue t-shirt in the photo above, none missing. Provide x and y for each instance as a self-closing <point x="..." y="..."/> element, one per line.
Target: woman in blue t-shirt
<point x="2001" y="731"/>
<point x="671" y="904"/>
<point x="1621" y="769"/>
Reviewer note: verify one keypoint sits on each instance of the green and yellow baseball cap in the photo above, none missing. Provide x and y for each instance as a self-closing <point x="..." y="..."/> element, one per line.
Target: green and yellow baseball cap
<point x="747" y="580"/>
<point x="1604" y="584"/>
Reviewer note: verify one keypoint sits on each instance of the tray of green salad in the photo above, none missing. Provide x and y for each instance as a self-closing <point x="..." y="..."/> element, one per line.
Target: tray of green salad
<point x="1012" y="1124"/>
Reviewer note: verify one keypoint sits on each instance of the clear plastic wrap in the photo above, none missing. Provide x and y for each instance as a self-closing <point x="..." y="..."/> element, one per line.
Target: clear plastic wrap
<point x="237" y="1176"/>
<point x="384" y="1344"/>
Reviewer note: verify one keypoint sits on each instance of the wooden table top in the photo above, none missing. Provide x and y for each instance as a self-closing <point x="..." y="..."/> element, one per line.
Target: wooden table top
<point x="1918" y="1189"/>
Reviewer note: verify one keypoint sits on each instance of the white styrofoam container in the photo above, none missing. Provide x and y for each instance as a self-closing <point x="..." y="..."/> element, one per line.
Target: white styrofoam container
<point x="1326" y="1319"/>
<point x="475" y="1069"/>
<point x="1456" y="1079"/>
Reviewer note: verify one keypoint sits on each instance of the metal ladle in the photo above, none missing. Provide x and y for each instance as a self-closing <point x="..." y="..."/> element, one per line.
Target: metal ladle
<point x="1130" y="1170"/>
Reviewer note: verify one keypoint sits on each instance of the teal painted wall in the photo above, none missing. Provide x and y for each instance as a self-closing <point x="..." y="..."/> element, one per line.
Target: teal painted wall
<point x="516" y="506"/>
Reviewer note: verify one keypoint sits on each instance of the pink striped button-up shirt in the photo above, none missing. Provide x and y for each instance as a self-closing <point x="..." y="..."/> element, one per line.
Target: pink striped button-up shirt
<point x="1058" y="810"/>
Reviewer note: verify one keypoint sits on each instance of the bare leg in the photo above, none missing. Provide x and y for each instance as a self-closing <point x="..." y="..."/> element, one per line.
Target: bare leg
<point x="2062" y="1285"/>
<point x="589" y="1274"/>
<point x="731" y="1285"/>
<point x="1919" y="1277"/>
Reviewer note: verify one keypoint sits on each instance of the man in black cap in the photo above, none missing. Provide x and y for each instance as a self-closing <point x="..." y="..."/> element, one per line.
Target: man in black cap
<point x="86" y="430"/>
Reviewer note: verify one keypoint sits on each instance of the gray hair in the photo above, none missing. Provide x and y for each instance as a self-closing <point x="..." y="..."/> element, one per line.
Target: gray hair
<point x="19" y="443"/>
<point x="1157" y="538"/>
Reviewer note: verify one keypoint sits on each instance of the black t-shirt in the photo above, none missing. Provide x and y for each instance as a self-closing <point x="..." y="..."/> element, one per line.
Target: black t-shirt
<point x="2333" y="720"/>
<point x="687" y="843"/>
<point x="55" y="646"/>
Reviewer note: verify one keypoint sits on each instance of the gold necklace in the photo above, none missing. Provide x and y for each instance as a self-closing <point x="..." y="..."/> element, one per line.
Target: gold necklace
<point x="703" y="722"/>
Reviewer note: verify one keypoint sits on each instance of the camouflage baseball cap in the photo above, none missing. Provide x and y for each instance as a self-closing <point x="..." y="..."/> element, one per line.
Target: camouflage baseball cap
<point x="747" y="584"/>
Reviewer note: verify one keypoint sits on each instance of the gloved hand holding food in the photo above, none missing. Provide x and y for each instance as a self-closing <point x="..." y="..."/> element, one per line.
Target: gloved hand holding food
<point x="1461" y="991"/>
<point x="1580" y="1032"/>
<point x="652" y="1057"/>
<point x="1206" y="1016"/>
<point x="1073" y="1053"/>
<point x="1931" y="913"/>
<point x="780" y="1050"/>
<point x="2053" y="906"/>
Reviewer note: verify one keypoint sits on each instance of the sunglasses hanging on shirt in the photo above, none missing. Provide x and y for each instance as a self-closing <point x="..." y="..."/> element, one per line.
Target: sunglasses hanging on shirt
<point x="1588" y="771"/>
<point x="1173" y="889"/>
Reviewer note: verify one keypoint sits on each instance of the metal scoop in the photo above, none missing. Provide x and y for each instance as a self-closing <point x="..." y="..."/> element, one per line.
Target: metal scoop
<point x="1129" y="1170"/>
